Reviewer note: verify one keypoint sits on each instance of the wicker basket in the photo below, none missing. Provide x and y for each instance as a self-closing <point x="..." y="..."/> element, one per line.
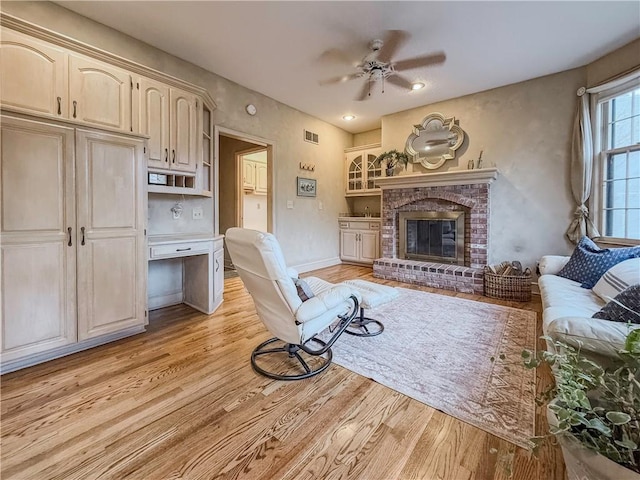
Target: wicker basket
<point x="508" y="287"/>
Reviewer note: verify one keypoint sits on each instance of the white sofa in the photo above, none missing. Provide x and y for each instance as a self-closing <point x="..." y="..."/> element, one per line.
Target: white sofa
<point x="567" y="313"/>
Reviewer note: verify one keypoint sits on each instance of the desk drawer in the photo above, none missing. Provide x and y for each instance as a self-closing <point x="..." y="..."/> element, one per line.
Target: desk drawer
<point x="179" y="250"/>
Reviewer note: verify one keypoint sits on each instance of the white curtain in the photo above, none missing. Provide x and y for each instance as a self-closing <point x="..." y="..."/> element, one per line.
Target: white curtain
<point x="581" y="169"/>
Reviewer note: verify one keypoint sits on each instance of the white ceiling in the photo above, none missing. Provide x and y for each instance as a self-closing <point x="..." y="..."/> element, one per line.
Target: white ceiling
<point x="280" y="48"/>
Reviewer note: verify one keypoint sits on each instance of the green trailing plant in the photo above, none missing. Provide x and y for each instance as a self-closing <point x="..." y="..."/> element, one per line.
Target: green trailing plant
<point x="392" y="158"/>
<point x="598" y="406"/>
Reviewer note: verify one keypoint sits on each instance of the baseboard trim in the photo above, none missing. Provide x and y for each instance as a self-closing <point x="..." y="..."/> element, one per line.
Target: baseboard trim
<point x="162" y="301"/>
<point x="307" y="267"/>
<point x="34" y="359"/>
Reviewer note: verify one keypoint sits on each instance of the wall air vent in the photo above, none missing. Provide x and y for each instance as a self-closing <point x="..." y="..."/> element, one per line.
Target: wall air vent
<point x="310" y="137"/>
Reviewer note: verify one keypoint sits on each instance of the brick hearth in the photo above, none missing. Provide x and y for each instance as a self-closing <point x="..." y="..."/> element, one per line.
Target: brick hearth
<point x="449" y="191"/>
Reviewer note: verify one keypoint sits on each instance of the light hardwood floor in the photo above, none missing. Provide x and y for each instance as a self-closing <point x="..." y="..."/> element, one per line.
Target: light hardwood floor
<point x="181" y="401"/>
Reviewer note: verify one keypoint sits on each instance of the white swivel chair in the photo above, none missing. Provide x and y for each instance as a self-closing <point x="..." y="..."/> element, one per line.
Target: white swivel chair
<point x="259" y="261"/>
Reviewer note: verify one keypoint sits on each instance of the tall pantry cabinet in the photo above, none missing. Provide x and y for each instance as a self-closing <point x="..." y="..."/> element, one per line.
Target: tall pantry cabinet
<point x="72" y="235"/>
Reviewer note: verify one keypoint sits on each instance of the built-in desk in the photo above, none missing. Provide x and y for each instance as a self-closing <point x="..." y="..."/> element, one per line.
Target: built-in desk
<point x="202" y="267"/>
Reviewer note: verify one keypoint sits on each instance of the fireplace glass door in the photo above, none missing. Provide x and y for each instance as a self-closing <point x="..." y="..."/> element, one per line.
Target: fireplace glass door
<point x="434" y="236"/>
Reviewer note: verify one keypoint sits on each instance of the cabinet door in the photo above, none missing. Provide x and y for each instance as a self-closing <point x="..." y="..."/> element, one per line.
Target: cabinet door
<point x="183" y="131"/>
<point x="38" y="250"/>
<point x="349" y="245"/>
<point x="369" y="246"/>
<point x="218" y="275"/>
<point x="99" y="93"/>
<point x="154" y="121"/>
<point x="374" y="170"/>
<point x="355" y="172"/>
<point x="33" y="75"/>
<point x="249" y="177"/>
<point x="261" y="178"/>
<point x="111" y="251"/>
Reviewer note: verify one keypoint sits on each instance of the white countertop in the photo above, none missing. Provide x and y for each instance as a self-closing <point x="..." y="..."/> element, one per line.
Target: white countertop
<point x="362" y="219"/>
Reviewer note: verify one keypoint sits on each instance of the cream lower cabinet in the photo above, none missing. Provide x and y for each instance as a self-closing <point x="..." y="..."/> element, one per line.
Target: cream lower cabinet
<point x="359" y="241"/>
<point x="72" y="239"/>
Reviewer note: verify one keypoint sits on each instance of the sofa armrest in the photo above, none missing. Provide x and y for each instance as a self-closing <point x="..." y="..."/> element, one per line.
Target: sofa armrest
<point x="552" y="264"/>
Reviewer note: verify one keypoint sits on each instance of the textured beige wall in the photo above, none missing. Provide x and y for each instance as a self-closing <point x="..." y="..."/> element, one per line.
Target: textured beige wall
<point x="302" y="241"/>
<point x="615" y="63"/>
<point x="367" y="138"/>
<point x="524" y="130"/>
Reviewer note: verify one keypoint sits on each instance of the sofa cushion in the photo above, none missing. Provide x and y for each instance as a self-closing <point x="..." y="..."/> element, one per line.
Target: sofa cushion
<point x="589" y="262"/>
<point x="618" y="278"/>
<point x="625" y="307"/>
<point x="562" y="292"/>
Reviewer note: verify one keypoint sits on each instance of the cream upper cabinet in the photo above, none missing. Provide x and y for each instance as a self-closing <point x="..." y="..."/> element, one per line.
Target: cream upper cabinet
<point x="361" y="170"/>
<point x="38" y="243"/>
<point x="33" y="75"/>
<point x="154" y="120"/>
<point x="170" y="117"/>
<point x="183" y="130"/>
<point x="111" y="251"/>
<point x="261" y="178"/>
<point x="99" y="94"/>
<point x="249" y="176"/>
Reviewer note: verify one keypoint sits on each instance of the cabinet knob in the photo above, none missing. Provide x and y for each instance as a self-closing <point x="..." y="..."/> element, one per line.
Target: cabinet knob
<point x="75" y="106"/>
<point x="217" y="265"/>
<point x="59" y="106"/>
<point x="166" y="154"/>
<point x="173" y="153"/>
<point x="70" y="243"/>
<point x="82" y="231"/>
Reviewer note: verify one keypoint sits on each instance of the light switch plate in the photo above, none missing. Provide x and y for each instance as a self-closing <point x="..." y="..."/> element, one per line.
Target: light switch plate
<point x="197" y="213"/>
<point x="289" y="203"/>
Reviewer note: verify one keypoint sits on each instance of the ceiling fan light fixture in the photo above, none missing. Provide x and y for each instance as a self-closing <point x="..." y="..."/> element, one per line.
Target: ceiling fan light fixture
<point x="417" y="86"/>
<point x="348" y="117"/>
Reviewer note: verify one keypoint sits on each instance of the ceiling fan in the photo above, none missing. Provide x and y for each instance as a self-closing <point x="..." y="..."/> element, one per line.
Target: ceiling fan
<point x="379" y="66"/>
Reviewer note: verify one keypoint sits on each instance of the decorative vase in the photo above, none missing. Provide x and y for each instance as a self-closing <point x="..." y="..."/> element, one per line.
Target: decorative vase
<point x="585" y="464"/>
<point x="389" y="171"/>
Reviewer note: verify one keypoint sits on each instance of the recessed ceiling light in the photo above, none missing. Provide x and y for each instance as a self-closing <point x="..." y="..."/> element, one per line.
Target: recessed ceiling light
<point x="417" y="86"/>
<point x="348" y="117"/>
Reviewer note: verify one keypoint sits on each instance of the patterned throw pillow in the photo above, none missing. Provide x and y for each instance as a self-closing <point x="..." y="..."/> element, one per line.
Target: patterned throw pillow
<point x="589" y="262"/>
<point x="304" y="290"/>
<point x="617" y="278"/>
<point x="624" y="308"/>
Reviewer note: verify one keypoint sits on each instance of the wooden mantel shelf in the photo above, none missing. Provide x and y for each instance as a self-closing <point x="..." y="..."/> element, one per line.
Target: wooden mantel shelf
<point x="456" y="177"/>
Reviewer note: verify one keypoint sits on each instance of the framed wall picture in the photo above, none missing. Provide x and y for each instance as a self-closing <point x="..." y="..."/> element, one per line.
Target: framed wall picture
<point x="306" y="187"/>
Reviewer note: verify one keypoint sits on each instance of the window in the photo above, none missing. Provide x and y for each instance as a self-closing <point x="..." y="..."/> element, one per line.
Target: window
<point x="618" y="147"/>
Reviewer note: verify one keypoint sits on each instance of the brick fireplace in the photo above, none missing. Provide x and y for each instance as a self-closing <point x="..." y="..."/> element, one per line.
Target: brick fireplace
<point x="467" y="191"/>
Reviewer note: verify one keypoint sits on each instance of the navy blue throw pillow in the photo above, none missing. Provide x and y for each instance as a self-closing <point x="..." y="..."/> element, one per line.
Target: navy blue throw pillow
<point x="589" y="262"/>
<point x="625" y="307"/>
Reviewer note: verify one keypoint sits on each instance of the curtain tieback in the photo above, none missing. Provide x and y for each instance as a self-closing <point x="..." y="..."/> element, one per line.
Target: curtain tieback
<point x="581" y="211"/>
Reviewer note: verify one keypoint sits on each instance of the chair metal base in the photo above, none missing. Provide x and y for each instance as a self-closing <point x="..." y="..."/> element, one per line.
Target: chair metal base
<point x="292" y="351"/>
<point x="365" y="326"/>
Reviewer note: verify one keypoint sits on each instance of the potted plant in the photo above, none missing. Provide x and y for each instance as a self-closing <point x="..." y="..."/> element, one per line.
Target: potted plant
<point x="594" y="410"/>
<point x="391" y="160"/>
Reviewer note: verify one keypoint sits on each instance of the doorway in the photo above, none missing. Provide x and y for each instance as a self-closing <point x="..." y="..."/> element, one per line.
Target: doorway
<point x="245" y="184"/>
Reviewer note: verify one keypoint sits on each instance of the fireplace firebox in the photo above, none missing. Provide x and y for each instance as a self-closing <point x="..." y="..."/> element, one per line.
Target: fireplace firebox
<point x="432" y="236"/>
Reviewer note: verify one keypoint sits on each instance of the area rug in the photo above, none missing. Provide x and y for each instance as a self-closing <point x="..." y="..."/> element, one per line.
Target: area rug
<point x="458" y="356"/>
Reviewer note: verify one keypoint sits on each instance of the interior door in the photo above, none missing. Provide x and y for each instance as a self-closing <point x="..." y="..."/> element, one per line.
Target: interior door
<point x="38" y="250"/>
<point x="111" y="253"/>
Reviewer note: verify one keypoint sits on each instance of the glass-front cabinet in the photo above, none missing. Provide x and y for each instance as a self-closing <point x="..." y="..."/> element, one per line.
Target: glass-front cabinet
<point x="361" y="170"/>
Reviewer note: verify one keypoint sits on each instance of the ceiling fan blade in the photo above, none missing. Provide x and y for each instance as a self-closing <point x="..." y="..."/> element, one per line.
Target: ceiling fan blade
<point x="365" y="91"/>
<point x="334" y="55"/>
<point x="400" y="81"/>
<point x="392" y="42"/>
<point x="417" y="62"/>
<point x="340" y="79"/>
